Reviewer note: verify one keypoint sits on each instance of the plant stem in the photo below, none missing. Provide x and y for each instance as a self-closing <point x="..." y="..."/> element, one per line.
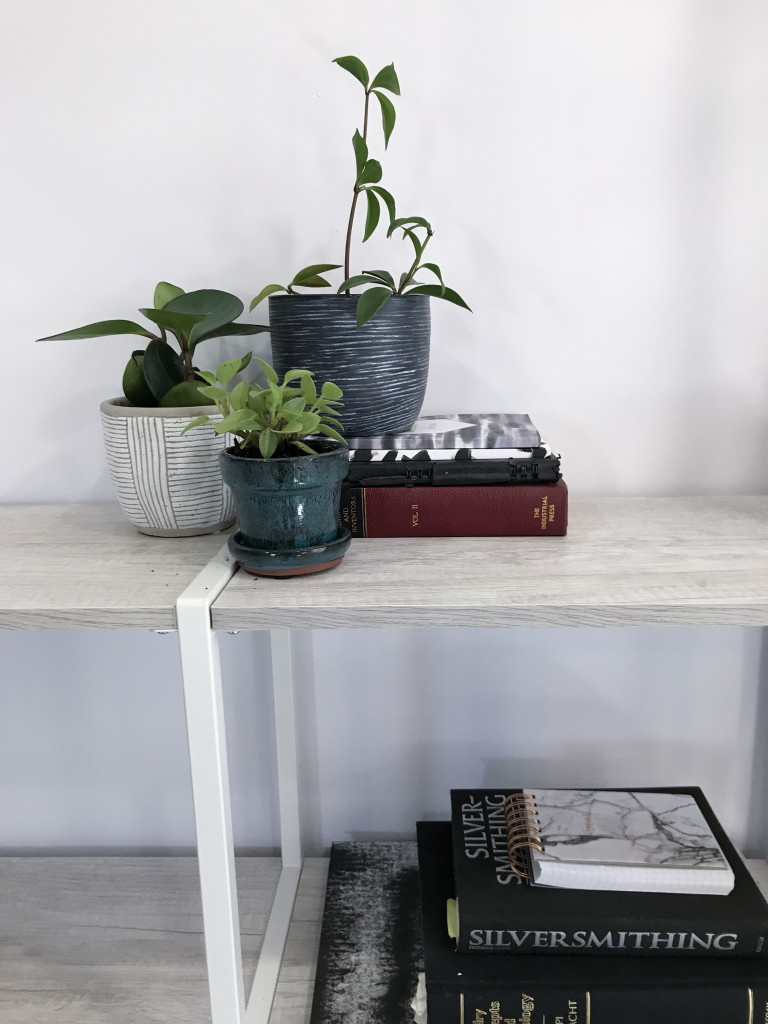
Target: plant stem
<point x="415" y="264"/>
<point x="186" y="355"/>
<point x="356" y="192"/>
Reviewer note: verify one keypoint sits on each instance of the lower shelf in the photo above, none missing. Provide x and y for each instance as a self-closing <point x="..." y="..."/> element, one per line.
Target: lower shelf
<point x="86" y="940"/>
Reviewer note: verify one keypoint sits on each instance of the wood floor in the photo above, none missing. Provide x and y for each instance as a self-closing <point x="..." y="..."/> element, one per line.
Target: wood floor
<point x="118" y="940"/>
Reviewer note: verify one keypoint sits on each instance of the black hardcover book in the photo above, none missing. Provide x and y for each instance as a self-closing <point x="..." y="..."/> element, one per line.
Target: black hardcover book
<point x="464" y="988"/>
<point x="414" y="468"/>
<point x="497" y="911"/>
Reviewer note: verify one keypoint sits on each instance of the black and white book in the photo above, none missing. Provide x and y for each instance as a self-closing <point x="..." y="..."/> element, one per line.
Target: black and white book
<point x="498" y="910"/>
<point x="456" y="431"/>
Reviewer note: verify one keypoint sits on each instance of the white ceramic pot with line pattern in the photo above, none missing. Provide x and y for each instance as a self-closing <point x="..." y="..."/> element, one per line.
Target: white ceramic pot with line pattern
<point x="168" y="484"/>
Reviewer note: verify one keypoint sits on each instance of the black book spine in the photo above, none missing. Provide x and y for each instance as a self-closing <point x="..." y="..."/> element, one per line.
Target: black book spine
<point x="536" y="1004"/>
<point x="499" y="914"/>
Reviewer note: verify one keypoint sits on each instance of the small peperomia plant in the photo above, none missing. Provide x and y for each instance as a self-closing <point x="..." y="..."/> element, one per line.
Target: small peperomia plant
<point x="158" y="375"/>
<point x="368" y="175"/>
<point x="274" y="420"/>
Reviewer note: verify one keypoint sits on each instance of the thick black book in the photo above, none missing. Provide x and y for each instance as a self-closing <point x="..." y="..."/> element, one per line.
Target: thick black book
<point x="498" y="912"/>
<point x="464" y="988"/>
<point x="444" y="468"/>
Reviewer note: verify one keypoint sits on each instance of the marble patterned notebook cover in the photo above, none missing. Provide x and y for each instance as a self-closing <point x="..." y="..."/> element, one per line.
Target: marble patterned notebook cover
<point x="638" y="841"/>
<point x="459" y="430"/>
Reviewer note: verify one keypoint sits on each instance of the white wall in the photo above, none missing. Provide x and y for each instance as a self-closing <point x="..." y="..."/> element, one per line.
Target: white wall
<point x="596" y="173"/>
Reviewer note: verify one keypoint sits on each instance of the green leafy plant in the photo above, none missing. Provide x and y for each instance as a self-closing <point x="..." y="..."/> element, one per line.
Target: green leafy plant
<point x="158" y="374"/>
<point x="380" y="284"/>
<point x="272" y="421"/>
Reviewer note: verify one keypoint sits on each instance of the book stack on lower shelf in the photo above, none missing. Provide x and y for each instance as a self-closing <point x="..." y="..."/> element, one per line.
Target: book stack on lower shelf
<point x="457" y="475"/>
<point x="589" y="907"/>
<point x="445" y="930"/>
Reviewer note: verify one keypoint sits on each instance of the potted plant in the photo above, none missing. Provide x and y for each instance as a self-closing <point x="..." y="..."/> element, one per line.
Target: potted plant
<point x="285" y="470"/>
<point x="375" y="344"/>
<point x="167" y="485"/>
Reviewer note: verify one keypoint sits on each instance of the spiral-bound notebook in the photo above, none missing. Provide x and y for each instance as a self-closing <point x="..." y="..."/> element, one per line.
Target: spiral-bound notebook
<point x="631" y="840"/>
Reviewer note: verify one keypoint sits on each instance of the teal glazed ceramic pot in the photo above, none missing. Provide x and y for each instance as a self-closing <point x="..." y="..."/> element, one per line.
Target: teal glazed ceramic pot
<point x="287" y="510"/>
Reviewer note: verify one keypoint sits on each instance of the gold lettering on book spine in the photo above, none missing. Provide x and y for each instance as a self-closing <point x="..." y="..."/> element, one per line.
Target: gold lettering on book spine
<point x="523" y="831"/>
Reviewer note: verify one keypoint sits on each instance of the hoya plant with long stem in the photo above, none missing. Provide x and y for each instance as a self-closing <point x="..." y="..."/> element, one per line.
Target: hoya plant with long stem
<point x="380" y="284"/>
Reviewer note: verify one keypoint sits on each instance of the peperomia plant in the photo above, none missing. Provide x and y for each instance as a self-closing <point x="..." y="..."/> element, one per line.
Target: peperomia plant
<point x="368" y="174"/>
<point x="157" y="374"/>
<point x="271" y="421"/>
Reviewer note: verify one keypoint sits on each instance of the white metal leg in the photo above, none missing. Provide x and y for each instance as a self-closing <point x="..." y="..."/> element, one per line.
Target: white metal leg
<point x="270" y="958"/>
<point x="201" y="673"/>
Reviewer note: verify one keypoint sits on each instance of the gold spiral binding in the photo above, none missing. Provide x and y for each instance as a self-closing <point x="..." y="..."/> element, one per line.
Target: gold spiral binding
<point x="523" y="832"/>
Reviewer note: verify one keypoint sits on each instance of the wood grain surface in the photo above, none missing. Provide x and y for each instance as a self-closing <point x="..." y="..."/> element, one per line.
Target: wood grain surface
<point x="84" y="566"/>
<point x="625" y="561"/>
<point x="118" y="940"/>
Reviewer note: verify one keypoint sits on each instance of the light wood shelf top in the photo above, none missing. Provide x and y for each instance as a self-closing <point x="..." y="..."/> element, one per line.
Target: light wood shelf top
<point x="625" y="561"/>
<point x="84" y="566"/>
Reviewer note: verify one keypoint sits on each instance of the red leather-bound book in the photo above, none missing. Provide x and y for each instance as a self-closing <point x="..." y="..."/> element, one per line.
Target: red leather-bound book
<point x="523" y="510"/>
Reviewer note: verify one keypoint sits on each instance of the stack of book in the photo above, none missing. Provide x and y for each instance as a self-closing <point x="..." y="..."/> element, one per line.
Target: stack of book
<point x="589" y="907"/>
<point x="457" y="475"/>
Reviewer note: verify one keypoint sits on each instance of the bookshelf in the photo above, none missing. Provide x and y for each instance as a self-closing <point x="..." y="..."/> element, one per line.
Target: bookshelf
<point x="636" y="561"/>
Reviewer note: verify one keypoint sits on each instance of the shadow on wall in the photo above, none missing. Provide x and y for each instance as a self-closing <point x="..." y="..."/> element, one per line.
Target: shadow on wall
<point x="756" y="843"/>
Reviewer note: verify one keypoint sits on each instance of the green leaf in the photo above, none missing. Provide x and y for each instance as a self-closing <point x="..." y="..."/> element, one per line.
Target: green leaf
<point x="355" y="67"/>
<point x="330" y="390"/>
<point x="230" y="331"/>
<point x="370" y="174"/>
<point x="181" y="322"/>
<point x="238" y="396"/>
<point x="198" y="422"/>
<point x="418" y="222"/>
<point x="382" y="275"/>
<point x="102" y="329"/>
<point x="135" y="387"/>
<point x="267" y="443"/>
<point x="185" y="393"/>
<point x="308" y="388"/>
<point x="370" y="303"/>
<point x="388" y="198"/>
<point x="209" y="378"/>
<point x="312" y="271"/>
<point x="436" y="271"/>
<point x="314" y="282"/>
<point x="418" y="245"/>
<point x="227" y="371"/>
<point x="240" y="420"/>
<point x="213" y="392"/>
<point x="295" y="404"/>
<point x="330" y="432"/>
<point x="269" y="371"/>
<point x="217" y="308"/>
<point x="372" y="218"/>
<point x="163" y="368"/>
<point x="387" y="79"/>
<point x="269" y="289"/>
<point x="361" y="152"/>
<point x="435" y="291"/>
<point x="387" y="115"/>
<point x="358" y="279"/>
<point x="303" y="447"/>
<point x="295" y="375"/>
<point x="164" y="292"/>
<point x="309" y="422"/>
<point x="257" y="401"/>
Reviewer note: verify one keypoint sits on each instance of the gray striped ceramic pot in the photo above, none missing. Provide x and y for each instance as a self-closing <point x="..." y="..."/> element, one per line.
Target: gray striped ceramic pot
<point x="168" y="484"/>
<point x="381" y="367"/>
